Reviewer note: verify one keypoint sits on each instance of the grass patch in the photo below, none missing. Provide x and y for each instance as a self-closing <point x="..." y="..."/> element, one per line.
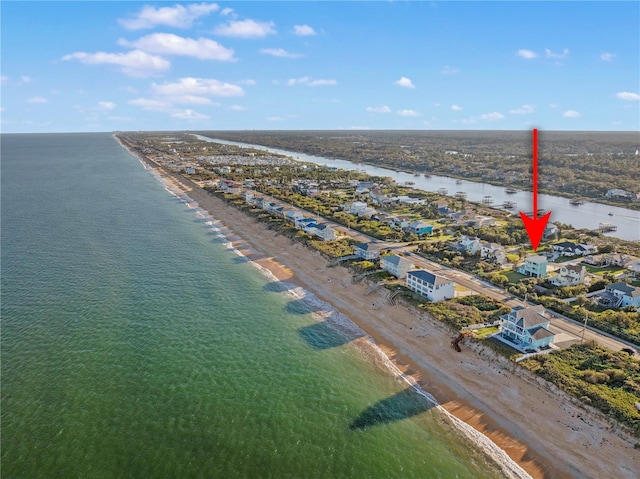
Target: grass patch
<point x="483" y="333"/>
<point x="514" y="276"/>
<point x="601" y="271"/>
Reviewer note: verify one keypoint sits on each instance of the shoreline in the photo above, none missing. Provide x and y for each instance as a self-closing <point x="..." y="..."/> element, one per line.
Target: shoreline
<point x="480" y="393"/>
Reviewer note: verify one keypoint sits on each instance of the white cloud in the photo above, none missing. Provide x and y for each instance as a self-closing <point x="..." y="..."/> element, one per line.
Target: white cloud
<point x="523" y="110"/>
<point x="189" y="115"/>
<point x="310" y="81"/>
<point x="280" y="52"/>
<point x="493" y="116"/>
<point x="607" y="56"/>
<point x="447" y="70"/>
<point x="571" y="114"/>
<point x="379" y="109"/>
<point x="177" y="16"/>
<point x="404" y="82"/>
<point x="191" y="100"/>
<point x="106" y="105"/>
<point x="226" y="11"/>
<point x="557" y="56"/>
<point x="527" y="54"/>
<point x="627" y="95"/>
<point x="170" y="44"/>
<point x="303" y="30"/>
<point x="456" y="107"/>
<point x="408" y="113"/>
<point x="275" y="118"/>
<point x="246" y="29"/>
<point x="134" y="63"/>
<point x="37" y="99"/>
<point x="197" y="87"/>
<point x="238" y="108"/>
<point x="151" y="105"/>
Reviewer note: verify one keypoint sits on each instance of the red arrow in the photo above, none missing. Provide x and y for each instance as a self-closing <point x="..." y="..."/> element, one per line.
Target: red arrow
<point x="535" y="226"/>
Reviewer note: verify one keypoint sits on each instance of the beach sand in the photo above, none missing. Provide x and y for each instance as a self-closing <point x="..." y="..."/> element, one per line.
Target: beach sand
<point x="539" y="427"/>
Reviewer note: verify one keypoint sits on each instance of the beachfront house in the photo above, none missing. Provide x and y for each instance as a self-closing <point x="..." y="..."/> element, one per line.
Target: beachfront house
<point x="620" y="295"/>
<point x="292" y="216"/>
<point x="431" y="286"/>
<point x="569" y="275"/>
<point x="324" y="232"/>
<point x="305" y="224"/>
<point x="526" y="329"/>
<point x="534" y="266"/>
<point x="396" y="265"/>
<point x="366" y="251"/>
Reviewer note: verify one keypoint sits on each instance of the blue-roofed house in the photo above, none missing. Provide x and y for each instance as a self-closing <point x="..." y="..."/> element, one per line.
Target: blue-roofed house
<point x="433" y="287"/>
<point x="526" y="328"/>
<point x="396" y="265"/>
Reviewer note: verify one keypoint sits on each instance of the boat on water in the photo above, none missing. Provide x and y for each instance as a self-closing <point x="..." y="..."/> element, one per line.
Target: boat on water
<point x="610" y="213"/>
<point x="576" y="201"/>
<point x="426" y="175"/>
<point x="510" y="191"/>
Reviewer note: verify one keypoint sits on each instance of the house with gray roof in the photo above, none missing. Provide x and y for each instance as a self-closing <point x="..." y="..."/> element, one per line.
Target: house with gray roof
<point x="620" y="295"/>
<point x="366" y="250"/>
<point x="526" y="329"/>
<point x="396" y="265"/>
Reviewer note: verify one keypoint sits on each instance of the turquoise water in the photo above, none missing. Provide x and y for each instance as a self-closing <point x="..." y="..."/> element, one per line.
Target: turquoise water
<point x="135" y="344"/>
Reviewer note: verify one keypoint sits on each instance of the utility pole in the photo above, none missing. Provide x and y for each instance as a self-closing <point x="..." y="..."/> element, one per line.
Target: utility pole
<point x="586" y="316"/>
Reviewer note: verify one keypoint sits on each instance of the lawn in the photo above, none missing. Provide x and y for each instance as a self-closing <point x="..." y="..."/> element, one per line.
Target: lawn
<point x="514" y="276"/>
<point x="602" y="271"/>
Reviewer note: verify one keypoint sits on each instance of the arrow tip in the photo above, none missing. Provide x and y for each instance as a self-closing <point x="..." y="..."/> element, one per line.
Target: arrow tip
<point x="535" y="228"/>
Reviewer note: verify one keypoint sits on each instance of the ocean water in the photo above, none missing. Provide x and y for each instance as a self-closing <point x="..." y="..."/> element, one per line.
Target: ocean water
<point x="136" y="343"/>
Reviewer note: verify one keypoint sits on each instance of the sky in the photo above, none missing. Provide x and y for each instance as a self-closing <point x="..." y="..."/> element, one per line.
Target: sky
<point x="123" y="65"/>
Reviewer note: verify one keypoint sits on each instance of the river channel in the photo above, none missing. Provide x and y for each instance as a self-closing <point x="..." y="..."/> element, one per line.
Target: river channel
<point x="587" y="215"/>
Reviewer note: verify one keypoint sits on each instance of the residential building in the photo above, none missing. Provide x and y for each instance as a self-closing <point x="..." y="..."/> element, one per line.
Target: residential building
<point x="551" y="231"/>
<point x="433" y="287"/>
<point x="479" y="221"/>
<point x="526" y="328"/>
<point x="366" y="250"/>
<point x="535" y="266"/>
<point x="324" y="231"/>
<point x="469" y="244"/>
<point x="567" y="248"/>
<point x="493" y="252"/>
<point x="293" y="215"/>
<point x="420" y="228"/>
<point x="569" y="275"/>
<point x="620" y="295"/>
<point x="305" y="224"/>
<point x="396" y="265"/>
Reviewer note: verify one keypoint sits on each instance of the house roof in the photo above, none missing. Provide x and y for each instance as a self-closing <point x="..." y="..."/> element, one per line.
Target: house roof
<point x="529" y="317"/>
<point x="395" y="260"/>
<point x="366" y="247"/>
<point x="536" y="259"/>
<point x="540" y="332"/>
<point x="575" y="268"/>
<point x="628" y="290"/>
<point x="428" y="277"/>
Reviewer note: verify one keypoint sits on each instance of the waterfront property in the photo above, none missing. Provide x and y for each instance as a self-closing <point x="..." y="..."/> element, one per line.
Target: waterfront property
<point x="366" y="251"/>
<point x="431" y="286"/>
<point x="567" y="248"/>
<point x="535" y="266"/>
<point x="324" y="231"/>
<point x="620" y="295"/>
<point x="526" y="329"/>
<point x="396" y="265"/>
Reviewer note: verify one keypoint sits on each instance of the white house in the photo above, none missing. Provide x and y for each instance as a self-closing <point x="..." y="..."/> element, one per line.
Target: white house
<point x="567" y="248"/>
<point x="293" y="215"/>
<point x="396" y="265"/>
<point x="469" y="244"/>
<point x="433" y="287"/>
<point x="324" y="231"/>
<point x="620" y="295"/>
<point x="480" y="221"/>
<point x="535" y="266"/>
<point x="493" y="252"/>
<point x="355" y="208"/>
<point x="569" y="275"/>
<point x="366" y="250"/>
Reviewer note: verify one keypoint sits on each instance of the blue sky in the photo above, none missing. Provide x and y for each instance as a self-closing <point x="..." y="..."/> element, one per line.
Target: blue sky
<point x="103" y="66"/>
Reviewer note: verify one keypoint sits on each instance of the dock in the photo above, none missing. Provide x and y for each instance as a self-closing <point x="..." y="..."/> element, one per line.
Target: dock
<point x="607" y="227"/>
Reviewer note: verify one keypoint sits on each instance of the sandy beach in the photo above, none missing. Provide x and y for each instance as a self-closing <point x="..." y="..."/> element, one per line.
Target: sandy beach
<point x="540" y="428"/>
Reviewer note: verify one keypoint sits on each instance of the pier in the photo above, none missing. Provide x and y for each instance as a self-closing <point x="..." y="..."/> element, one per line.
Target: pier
<point x="607" y="227"/>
